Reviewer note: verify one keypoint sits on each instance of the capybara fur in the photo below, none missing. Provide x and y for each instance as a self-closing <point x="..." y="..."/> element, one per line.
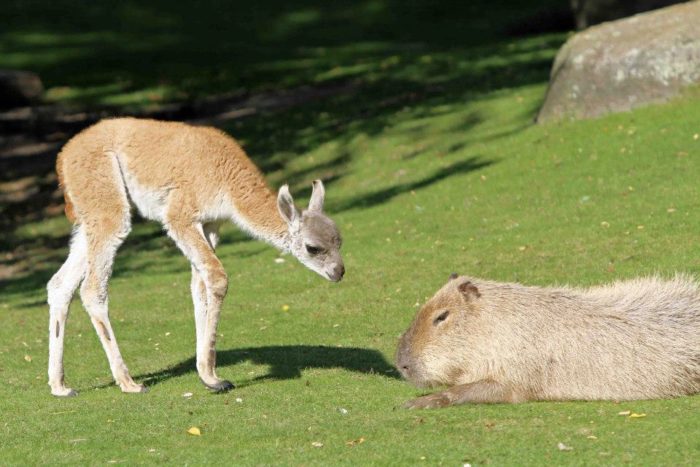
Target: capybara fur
<point x="497" y="342"/>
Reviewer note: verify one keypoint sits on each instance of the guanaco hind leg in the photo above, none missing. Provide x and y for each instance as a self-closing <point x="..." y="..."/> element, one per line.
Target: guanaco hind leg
<point x="102" y="248"/>
<point x="103" y="221"/>
<point x="60" y="289"/>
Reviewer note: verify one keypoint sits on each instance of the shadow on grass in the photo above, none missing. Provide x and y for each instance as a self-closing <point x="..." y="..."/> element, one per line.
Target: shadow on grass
<point x="107" y="51"/>
<point x="286" y="362"/>
<point x="382" y="196"/>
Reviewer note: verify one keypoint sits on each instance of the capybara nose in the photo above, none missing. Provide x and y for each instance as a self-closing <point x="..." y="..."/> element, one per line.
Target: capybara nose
<point x="402" y="363"/>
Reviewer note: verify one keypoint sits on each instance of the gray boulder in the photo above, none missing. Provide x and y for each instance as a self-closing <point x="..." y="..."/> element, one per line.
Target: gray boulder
<point x="624" y="64"/>
<point x="19" y="88"/>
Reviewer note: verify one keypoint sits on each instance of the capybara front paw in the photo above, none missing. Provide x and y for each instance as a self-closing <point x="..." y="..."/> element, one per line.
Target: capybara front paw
<point x="432" y="401"/>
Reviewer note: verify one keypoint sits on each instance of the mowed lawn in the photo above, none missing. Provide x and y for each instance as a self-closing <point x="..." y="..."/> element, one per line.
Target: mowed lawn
<point x="432" y="165"/>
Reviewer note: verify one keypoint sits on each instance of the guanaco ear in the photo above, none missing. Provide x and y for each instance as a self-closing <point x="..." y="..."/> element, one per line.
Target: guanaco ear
<point x="468" y="290"/>
<point x="318" y="194"/>
<point x="285" y="205"/>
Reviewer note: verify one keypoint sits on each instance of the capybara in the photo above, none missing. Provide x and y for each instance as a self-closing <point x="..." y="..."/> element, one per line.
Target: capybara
<point x="497" y="342"/>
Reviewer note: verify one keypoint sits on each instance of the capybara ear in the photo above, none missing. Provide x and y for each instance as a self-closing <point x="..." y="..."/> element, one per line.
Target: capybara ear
<point x="468" y="290"/>
<point x="454" y="276"/>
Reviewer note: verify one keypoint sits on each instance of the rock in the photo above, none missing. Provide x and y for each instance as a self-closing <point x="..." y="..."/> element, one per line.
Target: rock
<point x="19" y="88"/>
<point x="624" y="64"/>
<point x="590" y="12"/>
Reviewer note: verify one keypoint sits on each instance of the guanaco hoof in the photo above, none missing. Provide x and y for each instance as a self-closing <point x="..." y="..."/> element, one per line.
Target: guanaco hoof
<point x="71" y="393"/>
<point x="221" y="387"/>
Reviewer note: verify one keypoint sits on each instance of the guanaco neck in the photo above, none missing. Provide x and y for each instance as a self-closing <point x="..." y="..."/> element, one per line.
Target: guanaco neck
<point x="254" y="203"/>
<point x="255" y="212"/>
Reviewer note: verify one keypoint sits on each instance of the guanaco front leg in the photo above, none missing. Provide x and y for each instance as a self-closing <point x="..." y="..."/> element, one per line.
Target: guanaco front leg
<point x="199" y="299"/>
<point x="210" y="232"/>
<point x="480" y="392"/>
<point x="194" y="241"/>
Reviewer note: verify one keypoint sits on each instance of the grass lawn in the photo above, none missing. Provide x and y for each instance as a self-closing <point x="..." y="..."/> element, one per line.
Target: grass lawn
<point x="432" y="165"/>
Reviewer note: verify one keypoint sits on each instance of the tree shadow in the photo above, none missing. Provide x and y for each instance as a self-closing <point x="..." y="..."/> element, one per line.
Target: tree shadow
<point x="382" y="196"/>
<point x="233" y="45"/>
<point x="286" y="362"/>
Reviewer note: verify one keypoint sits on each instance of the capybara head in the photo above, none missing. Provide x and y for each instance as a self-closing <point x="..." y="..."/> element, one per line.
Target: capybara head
<point x="431" y="352"/>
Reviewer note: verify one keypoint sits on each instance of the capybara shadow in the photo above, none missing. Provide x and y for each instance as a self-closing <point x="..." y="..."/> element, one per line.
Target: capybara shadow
<point x="496" y="342"/>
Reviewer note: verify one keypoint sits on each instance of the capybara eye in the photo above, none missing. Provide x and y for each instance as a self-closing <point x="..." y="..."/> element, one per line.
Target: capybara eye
<point x="441" y="317"/>
<point x="313" y="250"/>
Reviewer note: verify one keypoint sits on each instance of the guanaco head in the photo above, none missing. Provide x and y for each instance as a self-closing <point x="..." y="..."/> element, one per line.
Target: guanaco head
<point x="314" y="238"/>
<point x="433" y="349"/>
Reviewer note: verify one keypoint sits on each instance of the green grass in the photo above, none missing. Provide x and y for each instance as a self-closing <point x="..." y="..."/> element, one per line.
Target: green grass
<point x="432" y="166"/>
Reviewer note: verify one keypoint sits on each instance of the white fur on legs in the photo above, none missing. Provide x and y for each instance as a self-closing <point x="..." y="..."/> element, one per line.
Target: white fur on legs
<point x="196" y="242"/>
<point x="60" y="290"/>
<point x="197" y="286"/>
<point x="199" y="298"/>
<point x="93" y="293"/>
<point x="97" y="309"/>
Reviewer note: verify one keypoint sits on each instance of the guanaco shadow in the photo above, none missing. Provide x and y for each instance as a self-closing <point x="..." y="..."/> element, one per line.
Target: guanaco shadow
<point x="286" y="362"/>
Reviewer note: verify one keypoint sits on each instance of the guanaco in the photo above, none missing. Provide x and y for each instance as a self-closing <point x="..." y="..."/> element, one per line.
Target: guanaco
<point x="190" y="179"/>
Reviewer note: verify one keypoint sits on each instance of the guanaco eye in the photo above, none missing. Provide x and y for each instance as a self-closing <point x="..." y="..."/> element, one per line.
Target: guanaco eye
<point x="441" y="317"/>
<point x="313" y="250"/>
